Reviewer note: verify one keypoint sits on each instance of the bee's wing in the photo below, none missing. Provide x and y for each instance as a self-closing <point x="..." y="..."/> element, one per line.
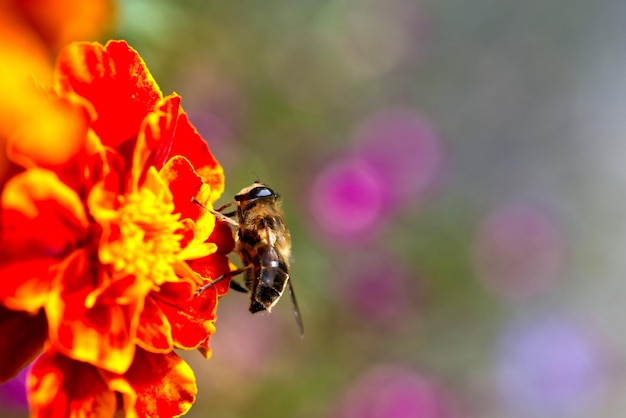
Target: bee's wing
<point x="296" y="309"/>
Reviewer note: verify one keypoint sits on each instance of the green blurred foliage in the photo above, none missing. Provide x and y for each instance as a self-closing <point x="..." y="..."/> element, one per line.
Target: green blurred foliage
<point x="511" y="88"/>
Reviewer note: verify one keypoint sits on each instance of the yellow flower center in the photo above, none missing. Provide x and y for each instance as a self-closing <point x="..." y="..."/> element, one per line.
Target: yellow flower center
<point x="148" y="244"/>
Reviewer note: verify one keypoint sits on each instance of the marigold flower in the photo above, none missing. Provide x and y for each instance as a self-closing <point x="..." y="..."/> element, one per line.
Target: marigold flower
<point x="102" y="249"/>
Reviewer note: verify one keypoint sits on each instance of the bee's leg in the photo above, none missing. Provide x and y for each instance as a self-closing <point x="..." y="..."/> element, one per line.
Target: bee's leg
<point x="236" y="286"/>
<point x="219" y="215"/>
<point x="225" y="218"/>
<point x="229" y="214"/>
<point x="227" y="205"/>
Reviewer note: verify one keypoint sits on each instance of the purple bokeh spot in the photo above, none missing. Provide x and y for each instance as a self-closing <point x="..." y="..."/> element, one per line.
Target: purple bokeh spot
<point x="519" y="252"/>
<point x="378" y="290"/>
<point x="403" y="150"/>
<point x="347" y="200"/>
<point x="553" y="366"/>
<point x="395" y="392"/>
<point x="256" y="338"/>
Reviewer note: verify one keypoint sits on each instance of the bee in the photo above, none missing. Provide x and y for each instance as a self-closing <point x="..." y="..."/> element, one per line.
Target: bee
<point x="264" y="246"/>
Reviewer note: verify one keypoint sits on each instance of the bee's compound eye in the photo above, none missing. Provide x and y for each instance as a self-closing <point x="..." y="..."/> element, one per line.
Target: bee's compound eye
<point x="255" y="193"/>
<point x="261" y="192"/>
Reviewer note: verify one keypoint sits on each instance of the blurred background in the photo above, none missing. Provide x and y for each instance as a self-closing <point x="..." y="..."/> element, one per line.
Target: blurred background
<point x="454" y="179"/>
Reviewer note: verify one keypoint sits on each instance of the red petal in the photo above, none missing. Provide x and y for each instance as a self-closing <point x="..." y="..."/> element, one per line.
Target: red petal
<point x="168" y="133"/>
<point x="102" y="164"/>
<point x="42" y="221"/>
<point x="115" y="80"/>
<point x="212" y="267"/>
<point x="103" y="335"/>
<point x="27" y="283"/>
<point x="36" y="201"/>
<point x="176" y="293"/>
<point x="184" y="184"/>
<point x="192" y="323"/>
<point x="154" y="143"/>
<point x="21" y="339"/>
<point x="61" y="387"/>
<point x="154" y="333"/>
<point x="222" y="235"/>
<point x="188" y="232"/>
<point x="165" y="385"/>
<point x="189" y="143"/>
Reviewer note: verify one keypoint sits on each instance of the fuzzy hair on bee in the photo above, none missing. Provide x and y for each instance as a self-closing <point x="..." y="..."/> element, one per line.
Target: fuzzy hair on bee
<point x="263" y="243"/>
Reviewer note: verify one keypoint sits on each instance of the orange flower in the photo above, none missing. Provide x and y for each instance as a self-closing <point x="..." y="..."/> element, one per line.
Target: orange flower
<point x="31" y="34"/>
<point x="102" y="249"/>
